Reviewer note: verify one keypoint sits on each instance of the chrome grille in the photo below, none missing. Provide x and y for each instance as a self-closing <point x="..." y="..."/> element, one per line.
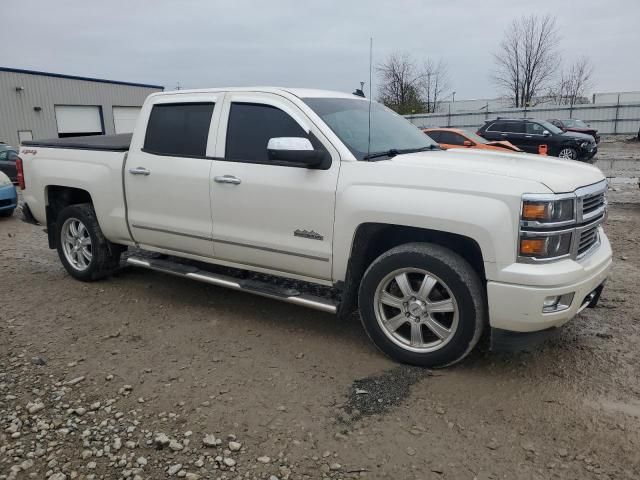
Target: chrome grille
<point x="588" y="239"/>
<point x="592" y="202"/>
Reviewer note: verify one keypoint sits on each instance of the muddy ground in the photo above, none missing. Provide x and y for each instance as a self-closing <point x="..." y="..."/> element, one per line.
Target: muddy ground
<point x="147" y="376"/>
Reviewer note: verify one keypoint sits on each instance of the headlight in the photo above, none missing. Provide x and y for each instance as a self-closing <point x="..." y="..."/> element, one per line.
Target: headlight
<point x="545" y="247"/>
<point x="551" y="211"/>
<point x="584" y="144"/>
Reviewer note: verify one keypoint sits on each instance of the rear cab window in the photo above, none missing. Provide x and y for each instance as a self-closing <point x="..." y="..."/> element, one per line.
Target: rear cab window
<point x="179" y="129"/>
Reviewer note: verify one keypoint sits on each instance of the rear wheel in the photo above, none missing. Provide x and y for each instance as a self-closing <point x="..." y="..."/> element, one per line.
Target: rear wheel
<point x="568" y="152"/>
<point x="84" y="251"/>
<point x="422" y="304"/>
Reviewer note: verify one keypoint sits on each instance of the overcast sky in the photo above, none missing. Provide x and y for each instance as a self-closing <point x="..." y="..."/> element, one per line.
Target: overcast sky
<point x="320" y="44"/>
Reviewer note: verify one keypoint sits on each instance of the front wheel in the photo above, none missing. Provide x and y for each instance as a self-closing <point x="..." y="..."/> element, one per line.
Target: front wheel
<point x="422" y="304"/>
<point x="568" y="153"/>
<point x="83" y="249"/>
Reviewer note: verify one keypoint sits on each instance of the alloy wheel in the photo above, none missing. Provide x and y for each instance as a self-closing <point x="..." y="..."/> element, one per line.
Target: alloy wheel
<point x="416" y="310"/>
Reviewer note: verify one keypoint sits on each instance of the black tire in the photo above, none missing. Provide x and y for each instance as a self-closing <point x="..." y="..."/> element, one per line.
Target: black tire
<point x="461" y="280"/>
<point x="105" y="256"/>
<point x="6" y="213"/>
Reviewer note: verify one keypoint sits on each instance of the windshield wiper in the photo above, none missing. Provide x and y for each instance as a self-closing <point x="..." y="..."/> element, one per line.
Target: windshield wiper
<point x="395" y="151"/>
<point x="389" y="153"/>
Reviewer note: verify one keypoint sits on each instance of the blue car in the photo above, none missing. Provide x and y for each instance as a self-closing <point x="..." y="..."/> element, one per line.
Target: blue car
<point x="8" y="196"/>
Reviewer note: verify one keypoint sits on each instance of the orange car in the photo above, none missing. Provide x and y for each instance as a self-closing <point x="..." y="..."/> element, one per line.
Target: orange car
<point x="458" y="138"/>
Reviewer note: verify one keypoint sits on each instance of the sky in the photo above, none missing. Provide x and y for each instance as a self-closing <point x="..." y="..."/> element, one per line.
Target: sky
<point x="314" y="44"/>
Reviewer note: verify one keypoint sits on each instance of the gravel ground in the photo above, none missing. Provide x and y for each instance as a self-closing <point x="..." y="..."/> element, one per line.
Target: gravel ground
<point x="148" y="376"/>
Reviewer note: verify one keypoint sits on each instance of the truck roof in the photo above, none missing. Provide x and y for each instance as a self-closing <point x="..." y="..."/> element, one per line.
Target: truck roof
<point x="298" y="92"/>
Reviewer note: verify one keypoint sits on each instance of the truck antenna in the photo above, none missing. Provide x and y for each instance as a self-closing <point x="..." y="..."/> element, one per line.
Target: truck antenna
<point x="370" y="80"/>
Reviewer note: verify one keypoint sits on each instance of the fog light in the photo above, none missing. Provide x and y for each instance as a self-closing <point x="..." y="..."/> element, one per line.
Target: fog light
<point x="557" y="303"/>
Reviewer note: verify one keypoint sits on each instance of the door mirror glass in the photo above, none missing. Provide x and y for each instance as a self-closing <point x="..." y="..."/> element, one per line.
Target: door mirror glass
<point x="295" y="150"/>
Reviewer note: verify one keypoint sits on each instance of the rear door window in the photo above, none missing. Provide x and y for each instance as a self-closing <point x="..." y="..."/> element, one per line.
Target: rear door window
<point x="452" y="138"/>
<point x="179" y="129"/>
<point x="514" y="127"/>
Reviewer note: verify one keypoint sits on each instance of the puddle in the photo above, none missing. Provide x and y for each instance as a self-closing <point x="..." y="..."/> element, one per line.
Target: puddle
<point x="376" y="395"/>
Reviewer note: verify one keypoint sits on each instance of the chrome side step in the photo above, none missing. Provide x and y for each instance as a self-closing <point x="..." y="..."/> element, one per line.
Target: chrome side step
<point x="263" y="289"/>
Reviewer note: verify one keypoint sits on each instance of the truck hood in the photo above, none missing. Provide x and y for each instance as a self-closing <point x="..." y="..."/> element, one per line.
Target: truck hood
<point x="558" y="175"/>
<point x="577" y="135"/>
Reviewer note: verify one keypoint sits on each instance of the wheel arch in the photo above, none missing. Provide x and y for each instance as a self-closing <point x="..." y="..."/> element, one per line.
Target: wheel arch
<point x="57" y="197"/>
<point x="373" y="239"/>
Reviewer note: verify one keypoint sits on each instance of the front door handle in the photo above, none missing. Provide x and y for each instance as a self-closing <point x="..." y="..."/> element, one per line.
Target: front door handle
<point x="139" y="171"/>
<point x="227" y="179"/>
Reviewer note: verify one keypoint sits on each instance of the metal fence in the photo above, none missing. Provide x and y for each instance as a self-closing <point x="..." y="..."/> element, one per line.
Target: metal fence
<point x="608" y="119"/>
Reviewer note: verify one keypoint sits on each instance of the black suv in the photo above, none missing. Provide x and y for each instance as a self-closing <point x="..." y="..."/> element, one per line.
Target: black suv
<point x="529" y="134"/>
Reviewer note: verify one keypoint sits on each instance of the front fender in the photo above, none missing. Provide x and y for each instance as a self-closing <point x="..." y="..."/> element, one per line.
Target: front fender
<point x="488" y="220"/>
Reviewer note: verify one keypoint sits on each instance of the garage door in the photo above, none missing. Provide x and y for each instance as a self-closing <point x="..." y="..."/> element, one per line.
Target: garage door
<point x="124" y="118"/>
<point x="78" y="120"/>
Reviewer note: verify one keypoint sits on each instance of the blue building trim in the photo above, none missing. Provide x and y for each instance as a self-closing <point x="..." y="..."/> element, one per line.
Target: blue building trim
<point x="73" y="77"/>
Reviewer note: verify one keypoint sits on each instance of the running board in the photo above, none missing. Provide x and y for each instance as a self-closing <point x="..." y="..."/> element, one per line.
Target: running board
<point x="263" y="289"/>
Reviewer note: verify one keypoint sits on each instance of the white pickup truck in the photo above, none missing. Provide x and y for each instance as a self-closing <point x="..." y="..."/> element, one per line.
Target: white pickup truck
<point x="326" y="201"/>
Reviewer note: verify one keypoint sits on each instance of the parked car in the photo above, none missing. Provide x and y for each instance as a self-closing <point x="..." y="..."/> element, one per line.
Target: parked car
<point x="457" y="137"/>
<point x="8" y="196"/>
<point x="433" y="247"/>
<point x="8" y="163"/>
<point x="529" y="134"/>
<point x="574" y="125"/>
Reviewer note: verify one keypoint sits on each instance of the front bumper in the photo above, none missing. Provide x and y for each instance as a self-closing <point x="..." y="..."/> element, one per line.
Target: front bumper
<point x="586" y="154"/>
<point x="8" y="197"/>
<point x="517" y="307"/>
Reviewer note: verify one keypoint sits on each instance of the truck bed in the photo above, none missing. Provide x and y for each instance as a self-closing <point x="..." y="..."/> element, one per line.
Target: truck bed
<point x="108" y="143"/>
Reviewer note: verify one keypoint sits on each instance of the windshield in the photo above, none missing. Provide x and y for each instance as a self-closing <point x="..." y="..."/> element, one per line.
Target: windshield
<point x="571" y="123"/>
<point x="549" y="126"/>
<point x="349" y="120"/>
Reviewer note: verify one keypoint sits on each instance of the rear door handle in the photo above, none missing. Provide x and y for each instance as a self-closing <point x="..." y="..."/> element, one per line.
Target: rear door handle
<point x="227" y="179"/>
<point x="139" y="171"/>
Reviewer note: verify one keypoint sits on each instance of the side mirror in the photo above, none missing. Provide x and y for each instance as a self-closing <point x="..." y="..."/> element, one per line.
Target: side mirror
<point x="467" y="143"/>
<point x="546" y="133"/>
<point x="295" y="151"/>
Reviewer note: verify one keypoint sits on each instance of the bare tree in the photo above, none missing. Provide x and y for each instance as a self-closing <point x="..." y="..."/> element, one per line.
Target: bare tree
<point x="572" y="85"/>
<point x="435" y="84"/>
<point x="527" y="58"/>
<point x="400" y="83"/>
<point x="407" y="88"/>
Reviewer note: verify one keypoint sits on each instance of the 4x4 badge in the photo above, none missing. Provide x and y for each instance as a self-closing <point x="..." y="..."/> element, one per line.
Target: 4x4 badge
<point x="308" y="234"/>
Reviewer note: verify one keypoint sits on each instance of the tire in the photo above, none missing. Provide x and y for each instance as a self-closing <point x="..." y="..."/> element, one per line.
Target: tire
<point x="6" y="213"/>
<point x="99" y="256"/>
<point x="457" y="287"/>
<point x="568" y="153"/>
